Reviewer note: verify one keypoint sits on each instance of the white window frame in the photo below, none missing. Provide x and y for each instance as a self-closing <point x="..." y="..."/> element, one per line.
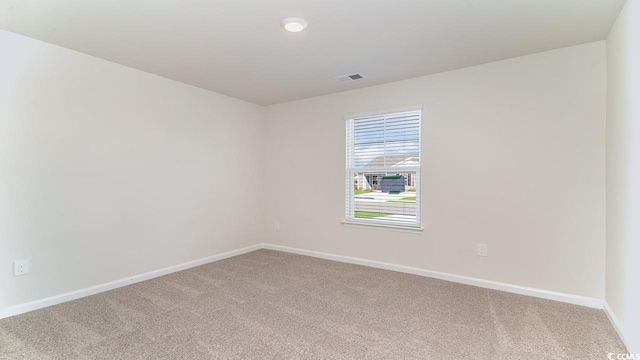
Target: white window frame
<point x="351" y="170"/>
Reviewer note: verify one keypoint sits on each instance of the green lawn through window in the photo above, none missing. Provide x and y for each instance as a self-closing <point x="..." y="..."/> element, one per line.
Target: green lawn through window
<point x="368" y="215"/>
<point x="404" y="200"/>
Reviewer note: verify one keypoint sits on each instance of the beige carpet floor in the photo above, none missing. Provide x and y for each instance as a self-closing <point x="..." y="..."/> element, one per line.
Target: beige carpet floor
<point x="273" y="305"/>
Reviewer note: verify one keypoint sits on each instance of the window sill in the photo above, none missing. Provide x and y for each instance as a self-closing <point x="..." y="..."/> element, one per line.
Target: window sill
<point x="398" y="228"/>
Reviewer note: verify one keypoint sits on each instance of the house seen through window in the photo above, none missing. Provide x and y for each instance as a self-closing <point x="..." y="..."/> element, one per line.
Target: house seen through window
<point x="383" y="169"/>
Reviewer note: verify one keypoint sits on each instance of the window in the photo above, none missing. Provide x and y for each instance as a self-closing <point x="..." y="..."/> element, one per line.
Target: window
<point x="383" y="169"/>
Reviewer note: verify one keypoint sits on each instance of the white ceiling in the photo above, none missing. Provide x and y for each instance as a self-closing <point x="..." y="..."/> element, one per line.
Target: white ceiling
<point x="237" y="48"/>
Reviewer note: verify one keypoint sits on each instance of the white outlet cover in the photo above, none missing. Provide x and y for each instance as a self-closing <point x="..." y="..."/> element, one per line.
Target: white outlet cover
<point x="483" y="250"/>
<point x="20" y="267"/>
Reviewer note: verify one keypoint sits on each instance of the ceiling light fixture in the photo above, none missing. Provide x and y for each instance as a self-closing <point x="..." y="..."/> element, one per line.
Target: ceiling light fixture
<point x="293" y="24"/>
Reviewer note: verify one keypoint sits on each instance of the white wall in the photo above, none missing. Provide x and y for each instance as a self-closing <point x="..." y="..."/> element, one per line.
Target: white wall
<point x="513" y="156"/>
<point x="623" y="172"/>
<point x="108" y="172"/>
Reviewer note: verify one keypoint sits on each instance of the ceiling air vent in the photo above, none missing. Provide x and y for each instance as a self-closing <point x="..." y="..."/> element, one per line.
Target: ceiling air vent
<point x="349" y="78"/>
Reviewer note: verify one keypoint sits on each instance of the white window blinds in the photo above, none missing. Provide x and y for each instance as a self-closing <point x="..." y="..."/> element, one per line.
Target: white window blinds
<point x="383" y="169"/>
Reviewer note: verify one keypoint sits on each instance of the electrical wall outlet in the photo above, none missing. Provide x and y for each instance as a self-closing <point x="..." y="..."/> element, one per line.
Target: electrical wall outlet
<point x="276" y="226"/>
<point x="483" y="250"/>
<point x="20" y="267"/>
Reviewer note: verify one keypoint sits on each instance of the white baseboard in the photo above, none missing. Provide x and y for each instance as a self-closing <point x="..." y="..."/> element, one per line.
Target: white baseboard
<point x="613" y="319"/>
<point x="57" y="299"/>
<point x="488" y="284"/>
<point x="545" y="294"/>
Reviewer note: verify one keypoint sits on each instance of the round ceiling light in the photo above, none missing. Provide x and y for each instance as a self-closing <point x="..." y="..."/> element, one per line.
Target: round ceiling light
<point x="293" y="25"/>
